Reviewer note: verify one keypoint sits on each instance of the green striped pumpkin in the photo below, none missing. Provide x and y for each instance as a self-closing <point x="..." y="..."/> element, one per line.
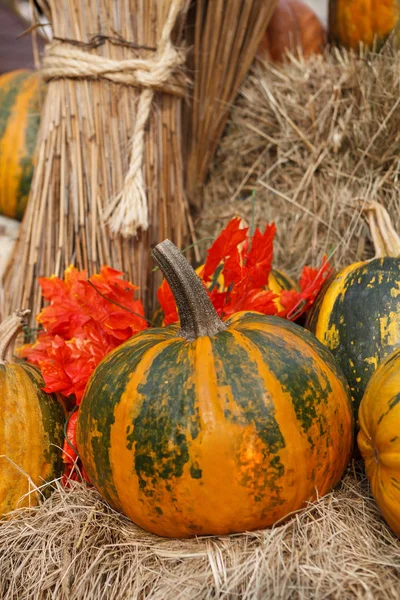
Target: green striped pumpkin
<point x="357" y="317"/>
<point x="211" y="427"/>
<point x="357" y="313"/>
<point x="19" y="125"/>
<point x="31" y="428"/>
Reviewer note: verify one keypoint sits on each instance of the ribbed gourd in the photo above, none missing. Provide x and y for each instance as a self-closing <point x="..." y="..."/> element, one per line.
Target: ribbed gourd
<point x="357" y="314"/>
<point x="211" y="427"/>
<point x="20" y="95"/>
<point x="31" y="427"/>
<point x="352" y="22"/>
<point x="379" y="438"/>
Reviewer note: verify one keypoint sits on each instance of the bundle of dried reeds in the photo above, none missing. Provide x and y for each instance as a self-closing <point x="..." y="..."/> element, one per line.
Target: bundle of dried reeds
<point x="84" y="147"/>
<point x="225" y="38"/>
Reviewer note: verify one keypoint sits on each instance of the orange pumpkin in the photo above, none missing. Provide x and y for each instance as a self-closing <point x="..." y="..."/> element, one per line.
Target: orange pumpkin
<point x="293" y="25"/>
<point x="379" y="438"/>
<point x="213" y="428"/>
<point x="366" y="21"/>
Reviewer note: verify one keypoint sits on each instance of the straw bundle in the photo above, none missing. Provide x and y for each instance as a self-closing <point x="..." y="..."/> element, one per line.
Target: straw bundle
<point x="74" y="547"/>
<point x="225" y="38"/>
<point x="84" y="151"/>
<point x="315" y="140"/>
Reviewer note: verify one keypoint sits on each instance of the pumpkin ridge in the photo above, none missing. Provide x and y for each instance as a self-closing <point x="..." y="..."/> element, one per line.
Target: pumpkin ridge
<point x="12" y="134"/>
<point x="31" y="127"/>
<point x="285" y="417"/>
<point x="379" y="440"/>
<point x="52" y="416"/>
<point x="7" y="94"/>
<point x="20" y="408"/>
<point x="156" y="448"/>
<point x="179" y="410"/>
<point x="310" y="391"/>
<point x="95" y="448"/>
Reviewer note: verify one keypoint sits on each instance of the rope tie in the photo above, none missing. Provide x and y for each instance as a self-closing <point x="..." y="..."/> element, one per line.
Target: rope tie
<point x="128" y="211"/>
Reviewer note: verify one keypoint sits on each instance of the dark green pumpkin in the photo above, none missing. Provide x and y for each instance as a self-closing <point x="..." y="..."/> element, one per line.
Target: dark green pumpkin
<point x="357" y="316"/>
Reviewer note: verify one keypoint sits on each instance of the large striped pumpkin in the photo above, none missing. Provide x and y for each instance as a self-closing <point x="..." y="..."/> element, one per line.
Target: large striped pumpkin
<point x="379" y="438"/>
<point x="211" y="427"/>
<point x="31" y="428"/>
<point x="19" y="124"/>
<point x="366" y="21"/>
<point x="357" y="315"/>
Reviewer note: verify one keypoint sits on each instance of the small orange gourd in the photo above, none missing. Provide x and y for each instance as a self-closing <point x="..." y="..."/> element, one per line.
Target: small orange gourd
<point x="379" y="438"/>
<point x="354" y="21"/>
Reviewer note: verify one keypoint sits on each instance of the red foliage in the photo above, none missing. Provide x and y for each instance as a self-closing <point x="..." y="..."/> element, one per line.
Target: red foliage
<point x="86" y="319"/>
<point x="245" y="264"/>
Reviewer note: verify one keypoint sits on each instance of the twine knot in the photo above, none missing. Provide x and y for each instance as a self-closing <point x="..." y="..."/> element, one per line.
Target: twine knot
<point x="128" y="211"/>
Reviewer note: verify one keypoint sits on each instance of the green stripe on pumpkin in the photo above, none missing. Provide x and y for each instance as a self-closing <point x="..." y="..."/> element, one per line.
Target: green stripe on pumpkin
<point x="31" y="132"/>
<point x="167" y="421"/>
<point x="101" y="398"/>
<point x="238" y="371"/>
<point x="8" y="94"/>
<point x="393" y="402"/>
<point x="298" y="376"/>
<point x="53" y="418"/>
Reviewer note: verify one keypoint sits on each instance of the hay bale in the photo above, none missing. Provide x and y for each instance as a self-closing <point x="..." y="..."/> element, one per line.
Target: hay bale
<point x="74" y="547"/>
<point x="315" y="140"/>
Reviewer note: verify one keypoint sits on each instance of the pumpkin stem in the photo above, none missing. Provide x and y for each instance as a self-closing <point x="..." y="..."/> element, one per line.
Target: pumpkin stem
<point x="384" y="236"/>
<point x="9" y="329"/>
<point x="197" y="315"/>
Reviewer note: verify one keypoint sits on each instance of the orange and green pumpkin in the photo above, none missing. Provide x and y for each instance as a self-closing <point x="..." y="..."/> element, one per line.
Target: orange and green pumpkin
<point x="379" y="438"/>
<point x="212" y="427"/>
<point x="19" y="124"/>
<point x="357" y="316"/>
<point x="368" y="21"/>
<point x="31" y="428"/>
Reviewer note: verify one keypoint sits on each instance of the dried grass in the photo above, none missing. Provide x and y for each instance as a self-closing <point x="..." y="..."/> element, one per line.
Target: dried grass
<point x="75" y="547"/>
<point x="315" y="139"/>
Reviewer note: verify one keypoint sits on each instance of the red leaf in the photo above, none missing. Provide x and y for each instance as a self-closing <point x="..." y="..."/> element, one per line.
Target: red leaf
<point x="69" y="455"/>
<point x="296" y="303"/>
<point x="73" y="464"/>
<point x="257" y="300"/>
<point x="233" y="269"/>
<point x="167" y="303"/>
<point x="259" y="259"/>
<point x="224" y="246"/>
